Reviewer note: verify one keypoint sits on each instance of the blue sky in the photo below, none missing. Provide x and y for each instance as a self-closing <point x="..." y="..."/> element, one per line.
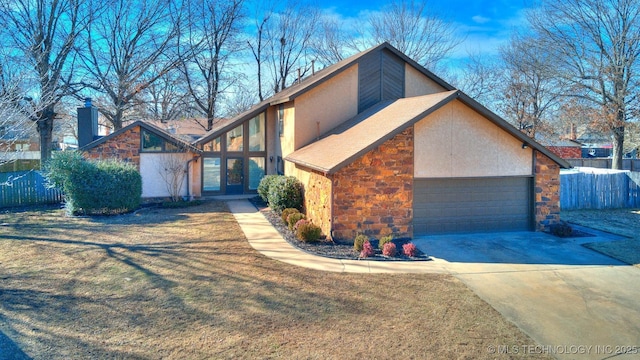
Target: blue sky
<point x="486" y="25"/>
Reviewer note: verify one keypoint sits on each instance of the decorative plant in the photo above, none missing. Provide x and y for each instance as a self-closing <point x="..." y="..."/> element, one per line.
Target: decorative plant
<point x="286" y="212"/>
<point x="389" y="249"/>
<point x="367" y="250"/>
<point x="285" y="192"/>
<point x="307" y="231"/>
<point x="294" y="218"/>
<point x="359" y="241"/>
<point x="299" y="223"/>
<point x="409" y="249"/>
<point x="384" y="240"/>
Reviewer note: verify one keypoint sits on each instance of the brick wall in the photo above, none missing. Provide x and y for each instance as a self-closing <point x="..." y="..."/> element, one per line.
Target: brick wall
<point x="567" y="152"/>
<point x="546" y="189"/>
<point x="374" y="194"/>
<point x="125" y="146"/>
<point x="317" y="197"/>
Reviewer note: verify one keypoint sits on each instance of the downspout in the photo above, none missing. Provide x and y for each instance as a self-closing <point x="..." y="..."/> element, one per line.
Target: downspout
<point x="188" y="182"/>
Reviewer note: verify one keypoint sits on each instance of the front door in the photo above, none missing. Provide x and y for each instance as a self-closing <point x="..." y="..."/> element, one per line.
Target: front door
<point x="235" y="175"/>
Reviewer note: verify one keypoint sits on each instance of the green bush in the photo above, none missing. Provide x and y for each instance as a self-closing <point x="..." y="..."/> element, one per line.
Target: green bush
<point x="95" y="187"/>
<point x="287" y="212"/>
<point x="359" y="241"/>
<point x="308" y="232"/>
<point x="294" y="218"/>
<point x="384" y="240"/>
<point x="285" y="192"/>
<point x="265" y="184"/>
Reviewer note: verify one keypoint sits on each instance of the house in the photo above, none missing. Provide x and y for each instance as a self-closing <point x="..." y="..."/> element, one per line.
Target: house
<point x="381" y="145"/>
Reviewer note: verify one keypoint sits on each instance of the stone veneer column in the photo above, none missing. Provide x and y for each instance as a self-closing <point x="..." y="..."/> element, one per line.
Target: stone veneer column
<point x="317" y="196"/>
<point x="547" y="195"/>
<point x="374" y="194"/>
<point x="125" y="146"/>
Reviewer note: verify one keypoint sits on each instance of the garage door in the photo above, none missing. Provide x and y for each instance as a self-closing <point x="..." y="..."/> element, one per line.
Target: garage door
<point x="472" y="205"/>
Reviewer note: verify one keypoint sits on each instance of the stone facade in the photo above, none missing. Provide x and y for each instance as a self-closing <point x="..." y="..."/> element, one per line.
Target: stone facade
<point x="317" y="197"/>
<point x="125" y="146"/>
<point x="547" y="192"/>
<point x="374" y="194"/>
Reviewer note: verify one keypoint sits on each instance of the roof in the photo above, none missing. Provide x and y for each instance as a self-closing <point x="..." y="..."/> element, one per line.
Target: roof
<point x="383" y="121"/>
<point x="310" y="83"/>
<point x="146" y="126"/>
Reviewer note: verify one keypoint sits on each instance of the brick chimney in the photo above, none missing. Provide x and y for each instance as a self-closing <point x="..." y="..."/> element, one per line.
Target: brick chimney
<point x="87" y="123"/>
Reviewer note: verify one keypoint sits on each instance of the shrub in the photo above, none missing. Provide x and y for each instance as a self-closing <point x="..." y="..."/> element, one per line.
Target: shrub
<point x="263" y="187"/>
<point x="409" y="249"/>
<point x="95" y="187"/>
<point x="285" y="192"/>
<point x="307" y="231"/>
<point x="359" y="241"/>
<point x="562" y="229"/>
<point x="389" y="249"/>
<point x="293" y="219"/>
<point x="286" y="212"/>
<point x="384" y="240"/>
<point x="367" y="250"/>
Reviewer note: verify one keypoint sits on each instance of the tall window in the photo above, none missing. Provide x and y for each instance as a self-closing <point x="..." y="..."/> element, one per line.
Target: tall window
<point x="281" y="119"/>
<point x="257" y="133"/>
<point x="213" y="145"/>
<point x="235" y="139"/>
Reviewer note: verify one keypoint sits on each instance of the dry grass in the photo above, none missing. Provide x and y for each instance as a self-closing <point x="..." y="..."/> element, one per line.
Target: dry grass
<point x="625" y="222"/>
<point x="184" y="284"/>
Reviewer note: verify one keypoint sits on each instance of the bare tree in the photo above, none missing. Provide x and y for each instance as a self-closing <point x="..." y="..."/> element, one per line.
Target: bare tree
<point x="595" y="46"/>
<point x="290" y="32"/>
<point x="481" y="78"/>
<point x="530" y="90"/>
<point x="15" y="113"/>
<point x="212" y="40"/>
<point x="331" y="42"/>
<point x="44" y="33"/>
<point x="173" y="171"/>
<point x="126" y="49"/>
<point x="165" y="99"/>
<point x="411" y="27"/>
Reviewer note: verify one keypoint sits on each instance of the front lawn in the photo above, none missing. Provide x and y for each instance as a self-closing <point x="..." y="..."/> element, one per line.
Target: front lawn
<point x="625" y="222"/>
<point x="185" y="284"/>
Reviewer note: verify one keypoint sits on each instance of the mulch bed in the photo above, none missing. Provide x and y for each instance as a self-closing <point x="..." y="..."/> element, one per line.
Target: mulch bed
<point x="329" y="248"/>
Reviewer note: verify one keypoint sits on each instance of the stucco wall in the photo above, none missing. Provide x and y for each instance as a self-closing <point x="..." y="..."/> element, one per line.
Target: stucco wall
<point x="328" y="104"/>
<point x="151" y="169"/>
<point x="456" y="141"/>
<point x="417" y="84"/>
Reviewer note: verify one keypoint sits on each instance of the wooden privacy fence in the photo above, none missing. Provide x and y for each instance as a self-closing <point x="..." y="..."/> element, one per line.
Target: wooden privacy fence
<point x="26" y="188"/>
<point x="600" y="190"/>
<point x="602" y="163"/>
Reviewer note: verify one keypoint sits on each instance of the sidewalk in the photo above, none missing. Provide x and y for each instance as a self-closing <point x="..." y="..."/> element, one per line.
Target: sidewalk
<point x="263" y="237"/>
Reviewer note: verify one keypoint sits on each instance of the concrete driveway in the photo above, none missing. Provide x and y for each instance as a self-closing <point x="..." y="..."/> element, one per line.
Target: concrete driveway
<point x="574" y="302"/>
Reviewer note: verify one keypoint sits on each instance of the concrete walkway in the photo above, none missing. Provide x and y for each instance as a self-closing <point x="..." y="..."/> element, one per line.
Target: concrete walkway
<point x="263" y="237"/>
<point x="573" y="302"/>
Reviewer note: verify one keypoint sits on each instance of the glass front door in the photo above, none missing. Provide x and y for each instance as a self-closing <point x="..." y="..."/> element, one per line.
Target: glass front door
<point x="235" y="176"/>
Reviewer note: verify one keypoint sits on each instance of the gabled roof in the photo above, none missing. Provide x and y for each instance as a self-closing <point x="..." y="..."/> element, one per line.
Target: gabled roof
<point x="310" y="83"/>
<point x="383" y="121"/>
<point x="146" y="126"/>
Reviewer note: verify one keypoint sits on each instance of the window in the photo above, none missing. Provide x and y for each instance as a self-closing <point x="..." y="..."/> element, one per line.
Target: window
<point x="234" y="139"/>
<point x="256" y="171"/>
<point x="213" y="145"/>
<point x="257" y="133"/>
<point x="150" y="141"/>
<point x="281" y="119"/>
<point x="211" y="174"/>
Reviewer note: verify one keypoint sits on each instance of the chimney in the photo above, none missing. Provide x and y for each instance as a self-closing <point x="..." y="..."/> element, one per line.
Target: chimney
<point x="87" y="123"/>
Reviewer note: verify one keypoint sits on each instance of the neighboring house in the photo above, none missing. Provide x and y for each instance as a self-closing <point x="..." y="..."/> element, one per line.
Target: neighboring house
<point x="381" y="146"/>
<point x="564" y="148"/>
